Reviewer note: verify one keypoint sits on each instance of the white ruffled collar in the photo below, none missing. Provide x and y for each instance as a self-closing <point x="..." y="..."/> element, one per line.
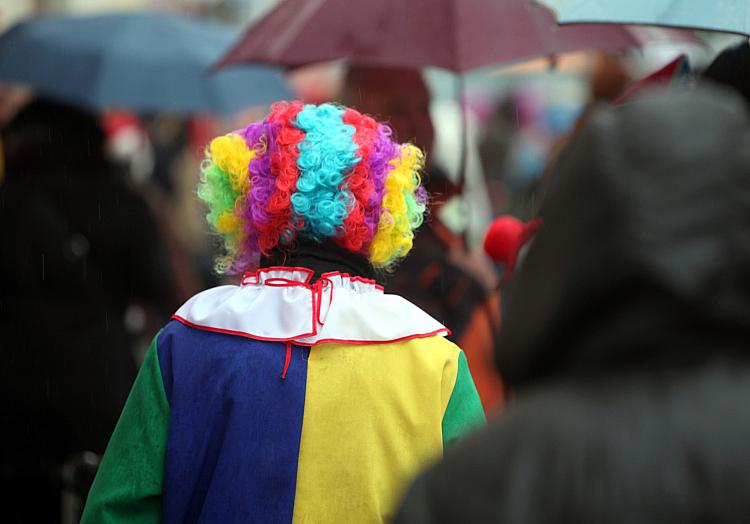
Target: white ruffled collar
<point x="280" y="304"/>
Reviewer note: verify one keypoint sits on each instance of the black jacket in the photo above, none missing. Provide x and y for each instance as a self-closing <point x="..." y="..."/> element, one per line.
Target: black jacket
<point x="77" y="245"/>
<point x="627" y="335"/>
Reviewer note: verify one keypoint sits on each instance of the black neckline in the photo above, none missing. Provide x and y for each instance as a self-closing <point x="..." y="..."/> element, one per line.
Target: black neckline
<point x="321" y="258"/>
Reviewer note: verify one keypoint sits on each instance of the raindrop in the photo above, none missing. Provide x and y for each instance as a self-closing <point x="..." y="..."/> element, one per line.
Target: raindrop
<point x="78" y="246"/>
<point x="135" y="318"/>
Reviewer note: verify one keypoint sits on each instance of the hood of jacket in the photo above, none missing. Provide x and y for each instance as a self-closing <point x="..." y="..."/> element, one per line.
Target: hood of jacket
<point x="643" y="261"/>
<point x="49" y="137"/>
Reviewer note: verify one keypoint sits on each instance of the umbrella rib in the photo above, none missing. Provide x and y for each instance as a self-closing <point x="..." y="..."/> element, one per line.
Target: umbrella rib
<point x="535" y="11"/>
<point x="309" y="9"/>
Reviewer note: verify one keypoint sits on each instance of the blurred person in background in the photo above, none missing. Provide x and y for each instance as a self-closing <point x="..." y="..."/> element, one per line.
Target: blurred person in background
<point x="441" y="276"/>
<point x="304" y="394"/>
<point x="608" y="77"/>
<point x="731" y="69"/>
<point x="496" y="147"/>
<point x="77" y="247"/>
<point x="625" y="335"/>
<point x="154" y="153"/>
<point x="13" y="98"/>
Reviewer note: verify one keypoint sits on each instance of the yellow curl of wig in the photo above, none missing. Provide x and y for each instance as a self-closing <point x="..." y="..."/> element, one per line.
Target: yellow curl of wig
<point x="321" y="173"/>
<point x="231" y="154"/>
<point x="225" y="178"/>
<point x="401" y="213"/>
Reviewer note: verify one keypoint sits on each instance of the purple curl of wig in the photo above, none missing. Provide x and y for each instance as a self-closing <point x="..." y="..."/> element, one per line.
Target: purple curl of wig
<point x="383" y="151"/>
<point x="259" y="136"/>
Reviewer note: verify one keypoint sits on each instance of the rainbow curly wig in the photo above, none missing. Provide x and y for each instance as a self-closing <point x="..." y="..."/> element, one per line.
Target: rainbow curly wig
<point x="320" y="173"/>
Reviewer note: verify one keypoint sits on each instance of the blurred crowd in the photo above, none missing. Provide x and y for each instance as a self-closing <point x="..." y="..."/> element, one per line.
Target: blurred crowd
<point x="629" y="312"/>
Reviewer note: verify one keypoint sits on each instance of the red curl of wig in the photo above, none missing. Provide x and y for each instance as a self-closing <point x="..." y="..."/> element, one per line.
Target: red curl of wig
<point x="278" y="209"/>
<point x="358" y="233"/>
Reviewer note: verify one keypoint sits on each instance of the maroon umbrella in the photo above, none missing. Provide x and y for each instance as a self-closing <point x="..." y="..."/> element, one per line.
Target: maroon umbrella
<point x="453" y="34"/>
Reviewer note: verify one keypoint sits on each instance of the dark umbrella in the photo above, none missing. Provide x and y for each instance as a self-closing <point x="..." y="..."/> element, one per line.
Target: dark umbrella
<point x="458" y="35"/>
<point x="144" y="62"/>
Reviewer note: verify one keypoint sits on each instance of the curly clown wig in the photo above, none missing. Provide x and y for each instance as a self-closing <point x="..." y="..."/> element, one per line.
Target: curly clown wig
<point x="319" y="173"/>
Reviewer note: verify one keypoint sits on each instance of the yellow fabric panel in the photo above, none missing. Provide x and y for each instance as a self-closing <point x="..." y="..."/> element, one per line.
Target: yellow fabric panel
<point x="372" y="420"/>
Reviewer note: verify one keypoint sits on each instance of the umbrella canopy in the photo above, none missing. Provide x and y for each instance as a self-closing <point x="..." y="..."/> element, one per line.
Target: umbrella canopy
<point x="458" y="35"/>
<point x="144" y="62"/>
<point x="731" y="16"/>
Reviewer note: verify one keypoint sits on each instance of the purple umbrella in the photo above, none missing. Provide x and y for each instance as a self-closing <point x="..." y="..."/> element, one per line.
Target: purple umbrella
<point x="458" y="35"/>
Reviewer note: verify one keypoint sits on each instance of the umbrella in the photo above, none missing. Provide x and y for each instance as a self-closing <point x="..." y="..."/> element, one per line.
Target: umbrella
<point x="731" y="16"/>
<point x="458" y="35"/>
<point x="143" y="62"/>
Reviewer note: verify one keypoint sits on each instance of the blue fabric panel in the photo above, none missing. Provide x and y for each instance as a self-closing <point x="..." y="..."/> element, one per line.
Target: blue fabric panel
<point x="234" y="427"/>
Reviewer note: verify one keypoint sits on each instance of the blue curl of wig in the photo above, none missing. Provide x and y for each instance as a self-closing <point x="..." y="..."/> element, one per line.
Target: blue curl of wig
<point x="327" y="155"/>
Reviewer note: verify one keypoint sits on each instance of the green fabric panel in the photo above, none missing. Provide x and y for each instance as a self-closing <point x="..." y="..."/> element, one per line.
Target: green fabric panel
<point x="464" y="412"/>
<point x="128" y="485"/>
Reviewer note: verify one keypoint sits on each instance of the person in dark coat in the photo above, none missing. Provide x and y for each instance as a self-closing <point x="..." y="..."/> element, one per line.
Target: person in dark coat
<point x="626" y="336"/>
<point x="77" y="246"/>
<point x="731" y="68"/>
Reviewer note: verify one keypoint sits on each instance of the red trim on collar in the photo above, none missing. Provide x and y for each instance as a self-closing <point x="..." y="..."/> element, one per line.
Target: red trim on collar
<point x="238" y="333"/>
<point x="289" y="269"/>
<point x="442" y="331"/>
<point x="253" y="278"/>
<point x="353" y="279"/>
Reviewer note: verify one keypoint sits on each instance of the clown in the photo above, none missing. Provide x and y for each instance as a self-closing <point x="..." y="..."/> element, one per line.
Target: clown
<point x="305" y="393"/>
